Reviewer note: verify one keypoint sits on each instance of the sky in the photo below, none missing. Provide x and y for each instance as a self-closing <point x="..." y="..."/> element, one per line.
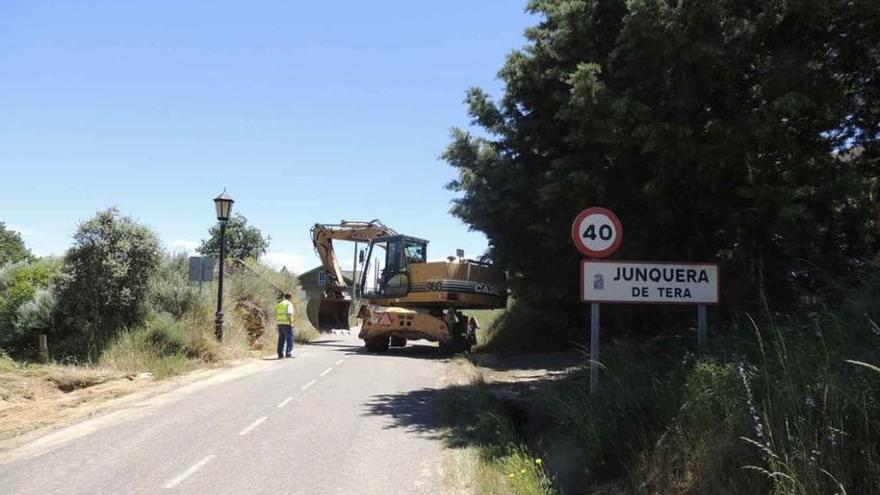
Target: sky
<point x="303" y="111"/>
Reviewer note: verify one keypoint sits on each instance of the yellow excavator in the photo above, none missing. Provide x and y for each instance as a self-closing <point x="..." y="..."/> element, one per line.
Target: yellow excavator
<point x="404" y="296"/>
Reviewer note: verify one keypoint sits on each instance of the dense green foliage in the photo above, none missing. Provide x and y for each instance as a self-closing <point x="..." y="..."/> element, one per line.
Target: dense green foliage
<point x="26" y="301"/>
<point x="170" y="290"/>
<point x="12" y="248"/>
<point x="115" y="299"/>
<point x="243" y="241"/>
<point x="744" y="132"/>
<point x="104" y="279"/>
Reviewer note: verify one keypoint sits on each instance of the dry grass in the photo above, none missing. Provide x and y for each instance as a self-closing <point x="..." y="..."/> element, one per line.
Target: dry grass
<point x="70" y="378"/>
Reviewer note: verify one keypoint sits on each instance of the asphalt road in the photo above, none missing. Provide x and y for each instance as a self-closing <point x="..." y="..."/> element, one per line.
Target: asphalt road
<point x="332" y="420"/>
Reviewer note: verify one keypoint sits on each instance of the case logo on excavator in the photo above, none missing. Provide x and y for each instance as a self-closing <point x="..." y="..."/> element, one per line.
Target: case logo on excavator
<point x="384" y="320"/>
<point x="487" y="289"/>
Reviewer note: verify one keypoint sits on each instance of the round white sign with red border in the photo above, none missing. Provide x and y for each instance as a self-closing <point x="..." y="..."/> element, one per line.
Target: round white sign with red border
<point x="597" y="232"/>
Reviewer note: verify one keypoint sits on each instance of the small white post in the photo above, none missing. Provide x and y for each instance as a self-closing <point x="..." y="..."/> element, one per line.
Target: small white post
<point x="43" y="345"/>
<point x="594" y="348"/>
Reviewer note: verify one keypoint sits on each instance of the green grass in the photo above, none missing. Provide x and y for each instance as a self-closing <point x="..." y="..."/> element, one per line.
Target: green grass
<point x="475" y="418"/>
<point x="6" y="362"/>
<point x="486" y="319"/>
<point x="159" y="347"/>
<point x="515" y="472"/>
<point x="782" y="407"/>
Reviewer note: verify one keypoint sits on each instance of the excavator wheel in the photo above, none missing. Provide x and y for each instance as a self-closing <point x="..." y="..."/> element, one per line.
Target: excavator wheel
<point x="398" y="342"/>
<point x="328" y="314"/>
<point x="460" y="341"/>
<point x="377" y="344"/>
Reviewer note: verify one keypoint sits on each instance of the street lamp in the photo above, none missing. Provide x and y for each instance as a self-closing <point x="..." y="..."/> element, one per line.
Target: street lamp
<point x="223" y="203"/>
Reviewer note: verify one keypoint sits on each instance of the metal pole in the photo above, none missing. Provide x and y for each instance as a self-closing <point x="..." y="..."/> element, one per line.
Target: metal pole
<point x="594" y="348"/>
<point x="218" y="330"/>
<point x="703" y="327"/>
<point x="354" y="270"/>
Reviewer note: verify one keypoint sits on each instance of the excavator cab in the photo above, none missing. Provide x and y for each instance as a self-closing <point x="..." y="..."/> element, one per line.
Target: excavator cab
<point x="386" y="272"/>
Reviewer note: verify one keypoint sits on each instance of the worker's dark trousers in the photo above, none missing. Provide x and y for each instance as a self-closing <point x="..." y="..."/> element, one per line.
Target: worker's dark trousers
<point x="285" y="336"/>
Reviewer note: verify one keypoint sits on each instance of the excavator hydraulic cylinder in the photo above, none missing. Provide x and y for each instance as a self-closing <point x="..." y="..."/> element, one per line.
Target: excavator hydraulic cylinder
<point x="328" y="314"/>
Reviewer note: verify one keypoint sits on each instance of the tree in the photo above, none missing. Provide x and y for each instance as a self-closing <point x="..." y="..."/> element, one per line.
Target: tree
<point x="744" y="132"/>
<point x="104" y="279"/>
<point x="243" y="241"/>
<point x="12" y="248"/>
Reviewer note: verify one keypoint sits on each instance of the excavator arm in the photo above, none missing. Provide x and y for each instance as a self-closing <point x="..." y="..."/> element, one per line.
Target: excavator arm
<point x="331" y="310"/>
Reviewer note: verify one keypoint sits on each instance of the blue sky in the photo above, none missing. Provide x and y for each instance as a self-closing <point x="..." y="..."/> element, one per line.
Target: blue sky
<point x="303" y="111"/>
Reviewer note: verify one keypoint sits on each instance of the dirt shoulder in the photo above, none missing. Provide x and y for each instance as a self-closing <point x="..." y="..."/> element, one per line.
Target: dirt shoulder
<point x="37" y="401"/>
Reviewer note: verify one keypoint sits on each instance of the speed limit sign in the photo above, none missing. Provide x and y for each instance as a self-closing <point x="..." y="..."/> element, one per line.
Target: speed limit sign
<point x="597" y="232"/>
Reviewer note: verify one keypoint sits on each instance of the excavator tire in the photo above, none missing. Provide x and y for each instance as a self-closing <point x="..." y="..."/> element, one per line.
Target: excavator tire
<point x="377" y="344"/>
<point x="460" y="341"/>
<point x="328" y="314"/>
<point x="398" y="342"/>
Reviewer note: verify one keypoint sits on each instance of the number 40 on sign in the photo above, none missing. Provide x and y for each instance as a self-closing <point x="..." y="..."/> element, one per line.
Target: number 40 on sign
<point x="597" y="232"/>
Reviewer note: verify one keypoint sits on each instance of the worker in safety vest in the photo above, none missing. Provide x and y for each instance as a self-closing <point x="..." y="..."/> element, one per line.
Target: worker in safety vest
<point x="284" y="320"/>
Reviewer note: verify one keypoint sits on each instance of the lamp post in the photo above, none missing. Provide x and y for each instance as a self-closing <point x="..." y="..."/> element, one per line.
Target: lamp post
<point x="223" y="203"/>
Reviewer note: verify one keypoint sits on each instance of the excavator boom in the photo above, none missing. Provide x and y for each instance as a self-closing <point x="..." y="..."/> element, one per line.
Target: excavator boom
<point x="332" y="309"/>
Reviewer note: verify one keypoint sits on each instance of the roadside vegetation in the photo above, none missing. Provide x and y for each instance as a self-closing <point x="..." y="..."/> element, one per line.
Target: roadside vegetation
<point x="780" y="403"/>
<point x="741" y="133"/>
<point x="117" y="305"/>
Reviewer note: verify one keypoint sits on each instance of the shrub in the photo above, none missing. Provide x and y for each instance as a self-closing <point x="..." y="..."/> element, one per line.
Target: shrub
<point x="170" y="291"/>
<point x="164" y="335"/>
<point x="104" y="280"/>
<point x="514" y="328"/>
<point x="26" y="302"/>
<point x="158" y="346"/>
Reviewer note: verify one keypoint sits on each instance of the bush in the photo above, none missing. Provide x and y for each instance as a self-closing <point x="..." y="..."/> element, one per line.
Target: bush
<point x="165" y="335"/>
<point x="158" y="346"/>
<point x="26" y="302"/>
<point x="514" y="329"/>
<point x="170" y="291"/>
<point x="104" y="280"/>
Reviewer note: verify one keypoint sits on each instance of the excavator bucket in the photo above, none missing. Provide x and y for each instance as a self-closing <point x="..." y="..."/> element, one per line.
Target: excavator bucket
<point x="328" y="314"/>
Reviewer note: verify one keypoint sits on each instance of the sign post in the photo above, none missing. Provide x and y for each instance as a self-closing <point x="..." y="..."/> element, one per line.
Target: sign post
<point x="702" y="327"/>
<point x="594" y="348"/>
<point x="596" y="233"/>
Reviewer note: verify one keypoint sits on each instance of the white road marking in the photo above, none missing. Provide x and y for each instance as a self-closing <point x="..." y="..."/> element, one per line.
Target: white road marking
<point x="186" y="474"/>
<point x="284" y="402"/>
<point x="307" y="385"/>
<point x="337" y="363"/>
<point x="328" y="370"/>
<point x="252" y="426"/>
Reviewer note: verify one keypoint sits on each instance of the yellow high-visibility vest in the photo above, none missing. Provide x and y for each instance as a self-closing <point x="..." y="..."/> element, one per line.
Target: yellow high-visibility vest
<point x="281" y="317"/>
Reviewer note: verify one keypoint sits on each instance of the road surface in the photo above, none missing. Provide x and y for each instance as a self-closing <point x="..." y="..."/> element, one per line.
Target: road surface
<point x="333" y="420"/>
